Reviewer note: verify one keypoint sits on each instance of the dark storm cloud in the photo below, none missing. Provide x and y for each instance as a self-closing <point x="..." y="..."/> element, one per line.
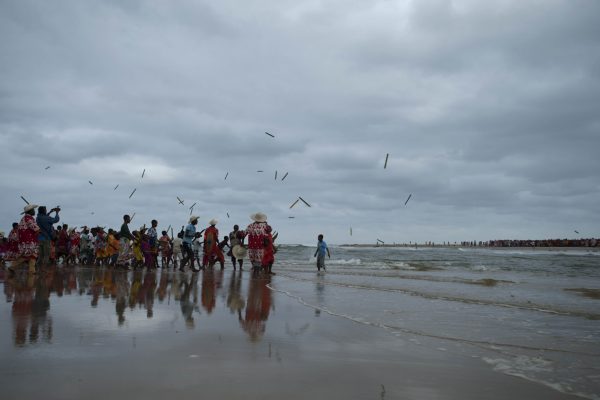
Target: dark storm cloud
<point x="487" y="109"/>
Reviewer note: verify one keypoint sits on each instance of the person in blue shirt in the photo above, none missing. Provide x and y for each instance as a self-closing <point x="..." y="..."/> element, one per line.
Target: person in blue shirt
<point x="45" y="222"/>
<point x="322" y="249"/>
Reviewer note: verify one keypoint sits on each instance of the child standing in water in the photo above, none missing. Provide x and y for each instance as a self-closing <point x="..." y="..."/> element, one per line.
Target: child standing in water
<point x="322" y="249"/>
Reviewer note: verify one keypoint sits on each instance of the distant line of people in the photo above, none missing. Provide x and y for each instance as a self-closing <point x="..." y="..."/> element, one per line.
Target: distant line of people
<point x="34" y="242"/>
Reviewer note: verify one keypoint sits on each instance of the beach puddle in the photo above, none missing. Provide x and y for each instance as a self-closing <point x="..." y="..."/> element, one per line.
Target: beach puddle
<point x="489" y="282"/>
<point x="589" y="293"/>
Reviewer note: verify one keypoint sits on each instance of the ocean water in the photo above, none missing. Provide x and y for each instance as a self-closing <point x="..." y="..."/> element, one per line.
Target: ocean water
<point x="534" y="314"/>
<point x="531" y="314"/>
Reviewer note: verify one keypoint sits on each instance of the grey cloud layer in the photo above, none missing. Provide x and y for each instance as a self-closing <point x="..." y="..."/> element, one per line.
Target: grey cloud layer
<point x="489" y="112"/>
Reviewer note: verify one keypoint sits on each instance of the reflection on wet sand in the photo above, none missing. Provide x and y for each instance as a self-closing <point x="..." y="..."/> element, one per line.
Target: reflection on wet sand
<point x="258" y="306"/>
<point x="190" y="288"/>
<point x="235" y="301"/>
<point x="29" y="309"/>
<point x="137" y="290"/>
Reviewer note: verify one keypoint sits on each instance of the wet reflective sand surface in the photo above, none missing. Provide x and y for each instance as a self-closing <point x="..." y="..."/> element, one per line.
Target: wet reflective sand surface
<point x="83" y="332"/>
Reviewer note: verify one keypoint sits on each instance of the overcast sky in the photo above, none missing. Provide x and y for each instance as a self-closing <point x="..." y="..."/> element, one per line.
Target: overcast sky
<point x="489" y="110"/>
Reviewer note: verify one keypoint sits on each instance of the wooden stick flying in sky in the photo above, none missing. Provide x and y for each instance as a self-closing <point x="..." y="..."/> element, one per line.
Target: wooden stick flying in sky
<point x="269" y="134"/>
<point x="304" y="201"/>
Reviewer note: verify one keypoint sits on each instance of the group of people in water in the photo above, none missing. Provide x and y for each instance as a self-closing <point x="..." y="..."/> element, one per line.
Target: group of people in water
<point x="34" y="242"/>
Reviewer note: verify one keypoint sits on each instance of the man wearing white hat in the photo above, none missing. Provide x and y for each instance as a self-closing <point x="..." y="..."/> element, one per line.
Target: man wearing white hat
<point x="188" y="237"/>
<point x="28" y="239"/>
<point x="256" y="233"/>
<point x="212" y="250"/>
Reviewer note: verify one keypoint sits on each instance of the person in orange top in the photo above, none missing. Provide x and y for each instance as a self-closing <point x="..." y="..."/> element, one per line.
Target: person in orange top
<point x="113" y="247"/>
<point x="164" y="244"/>
<point x="212" y="252"/>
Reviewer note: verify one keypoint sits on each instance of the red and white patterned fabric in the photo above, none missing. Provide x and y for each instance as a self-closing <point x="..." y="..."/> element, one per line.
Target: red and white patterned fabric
<point x="28" y="238"/>
<point x="12" y="252"/>
<point x="75" y="239"/>
<point x="256" y="233"/>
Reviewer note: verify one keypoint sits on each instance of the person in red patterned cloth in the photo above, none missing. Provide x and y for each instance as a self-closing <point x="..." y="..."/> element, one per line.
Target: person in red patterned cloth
<point x="12" y="252"/>
<point x="212" y="251"/>
<point x="256" y="233"/>
<point x="74" y="239"/>
<point x="28" y="239"/>
<point x="269" y="253"/>
<point x="62" y="243"/>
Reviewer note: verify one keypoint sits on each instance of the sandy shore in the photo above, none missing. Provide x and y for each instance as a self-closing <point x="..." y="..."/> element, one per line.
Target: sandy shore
<point x="194" y="343"/>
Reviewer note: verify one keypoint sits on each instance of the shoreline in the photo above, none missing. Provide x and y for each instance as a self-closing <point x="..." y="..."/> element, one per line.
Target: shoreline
<point x="429" y="246"/>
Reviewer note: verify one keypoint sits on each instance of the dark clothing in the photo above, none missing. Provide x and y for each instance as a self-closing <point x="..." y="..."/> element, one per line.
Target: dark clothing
<point x="125" y="233"/>
<point x="45" y="223"/>
<point x="188" y="255"/>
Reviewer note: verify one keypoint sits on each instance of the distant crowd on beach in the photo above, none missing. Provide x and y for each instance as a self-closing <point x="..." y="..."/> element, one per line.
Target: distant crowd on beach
<point x="35" y="243"/>
<point x="590" y="242"/>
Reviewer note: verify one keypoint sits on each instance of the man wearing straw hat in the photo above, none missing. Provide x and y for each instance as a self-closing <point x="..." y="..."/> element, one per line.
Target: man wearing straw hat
<point x="28" y="239"/>
<point x="188" y="237"/>
<point x="256" y="233"/>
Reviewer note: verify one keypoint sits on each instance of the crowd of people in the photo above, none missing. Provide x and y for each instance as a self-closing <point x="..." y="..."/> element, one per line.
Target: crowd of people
<point x="35" y="243"/>
<point x="591" y="242"/>
<point x="586" y="242"/>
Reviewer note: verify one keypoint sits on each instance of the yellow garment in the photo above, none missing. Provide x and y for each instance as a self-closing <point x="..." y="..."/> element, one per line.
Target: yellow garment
<point x="137" y="250"/>
<point x="113" y="246"/>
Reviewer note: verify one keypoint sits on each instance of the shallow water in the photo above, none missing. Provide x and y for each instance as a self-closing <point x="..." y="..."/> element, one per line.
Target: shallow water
<point x="499" y="314"/>
<point x="534" y="314"/>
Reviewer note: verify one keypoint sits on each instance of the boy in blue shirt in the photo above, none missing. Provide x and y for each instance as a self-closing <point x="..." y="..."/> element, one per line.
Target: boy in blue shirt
<point x="322" y="249"/>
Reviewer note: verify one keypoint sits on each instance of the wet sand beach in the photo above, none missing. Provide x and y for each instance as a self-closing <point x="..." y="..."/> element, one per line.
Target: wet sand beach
<point x="82" y="332"/>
